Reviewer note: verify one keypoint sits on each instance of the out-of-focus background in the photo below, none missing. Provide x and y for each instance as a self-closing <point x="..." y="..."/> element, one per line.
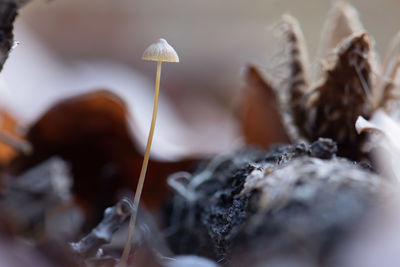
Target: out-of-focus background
<point x="214" y="40"/>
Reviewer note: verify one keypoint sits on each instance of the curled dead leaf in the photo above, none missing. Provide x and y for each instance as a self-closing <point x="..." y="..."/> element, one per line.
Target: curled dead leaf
<point x="91" y="132"/>
<point x="260" y="117"/>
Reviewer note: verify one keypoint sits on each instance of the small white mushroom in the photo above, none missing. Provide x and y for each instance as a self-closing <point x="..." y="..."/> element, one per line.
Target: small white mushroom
<point x="159" y="51"/>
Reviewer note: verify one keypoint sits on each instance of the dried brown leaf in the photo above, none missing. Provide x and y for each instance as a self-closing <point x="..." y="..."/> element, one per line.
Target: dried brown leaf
<point x="91" y="132"/>
<point x="260" y="117"/>
<point x="343" y="96"/>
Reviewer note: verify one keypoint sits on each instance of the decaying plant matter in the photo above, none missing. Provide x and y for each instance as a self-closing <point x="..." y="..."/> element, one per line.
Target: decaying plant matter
<point x="257" y="206"/>
<point x="289" y="205"/>
<point x="114" y="217"/>
<point x="348" y="83"/>
<point x="8" y="13"/>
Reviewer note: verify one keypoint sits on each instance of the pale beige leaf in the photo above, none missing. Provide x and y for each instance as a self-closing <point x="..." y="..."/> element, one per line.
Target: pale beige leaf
<point x="387" y="154"/>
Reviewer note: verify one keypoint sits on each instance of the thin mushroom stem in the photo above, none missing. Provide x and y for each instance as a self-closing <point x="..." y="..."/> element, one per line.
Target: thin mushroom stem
<point x="139" y="188"/>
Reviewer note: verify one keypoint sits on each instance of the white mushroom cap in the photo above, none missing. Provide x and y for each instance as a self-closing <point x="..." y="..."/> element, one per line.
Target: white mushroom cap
<point x="160" y="51"/>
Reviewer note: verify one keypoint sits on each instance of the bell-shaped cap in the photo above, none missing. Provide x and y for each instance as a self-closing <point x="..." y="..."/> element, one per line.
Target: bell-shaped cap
<point x="160" y="51"/>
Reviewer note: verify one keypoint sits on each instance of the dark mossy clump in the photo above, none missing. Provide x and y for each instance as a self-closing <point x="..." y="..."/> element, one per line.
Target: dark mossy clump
<point x="211" y="213"/>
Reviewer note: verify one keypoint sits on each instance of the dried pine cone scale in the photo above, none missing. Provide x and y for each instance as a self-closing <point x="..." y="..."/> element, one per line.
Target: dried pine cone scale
<point x="343" y="96"/>
<point x="351" y="82"/>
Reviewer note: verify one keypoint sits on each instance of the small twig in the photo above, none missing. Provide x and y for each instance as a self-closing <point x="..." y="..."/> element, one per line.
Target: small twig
<point x="102" y="234"/>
